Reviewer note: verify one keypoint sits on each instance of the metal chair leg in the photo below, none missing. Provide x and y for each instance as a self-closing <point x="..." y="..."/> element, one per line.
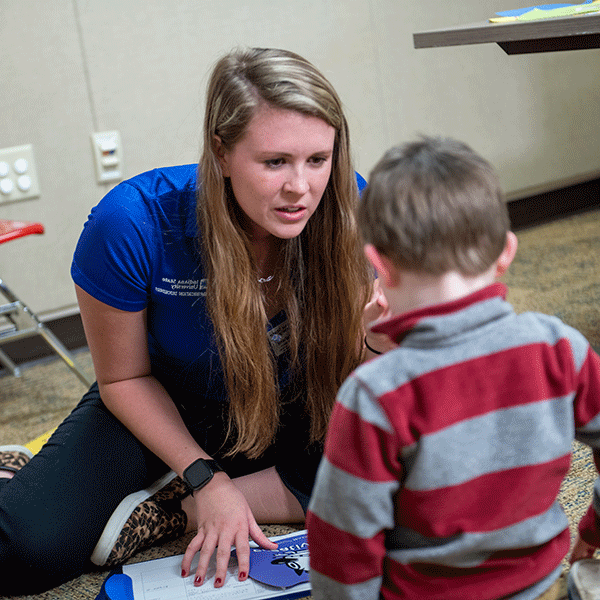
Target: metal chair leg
<point x="18" y="308"/>
<point x="9" y="364"/>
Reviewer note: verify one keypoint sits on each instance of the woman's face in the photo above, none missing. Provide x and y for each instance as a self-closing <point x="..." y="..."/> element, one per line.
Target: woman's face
<point x="279" y="170"/>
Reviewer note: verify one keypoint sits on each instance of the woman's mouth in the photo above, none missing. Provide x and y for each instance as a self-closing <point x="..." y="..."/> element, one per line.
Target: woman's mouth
<point x="291" y="213"/>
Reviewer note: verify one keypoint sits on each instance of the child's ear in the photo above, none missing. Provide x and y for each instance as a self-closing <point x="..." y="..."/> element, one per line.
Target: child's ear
<point x="385" y="268"/>
<point x="220" y="153"/>
<point x="510" y="249"/>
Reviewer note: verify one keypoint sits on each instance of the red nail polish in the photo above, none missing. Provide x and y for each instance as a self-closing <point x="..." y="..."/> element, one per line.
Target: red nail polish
<point x="183" y="573"/>
<point x="218" y="581"/>
<point x="243" y="575"/>
<point x="198" y="580"/>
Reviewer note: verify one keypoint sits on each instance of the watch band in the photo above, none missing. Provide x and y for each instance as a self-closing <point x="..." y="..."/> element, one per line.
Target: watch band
<point x="200" y="472"/>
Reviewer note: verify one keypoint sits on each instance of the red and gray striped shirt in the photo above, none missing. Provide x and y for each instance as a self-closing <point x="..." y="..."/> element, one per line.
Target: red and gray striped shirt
<point x="444" y="457"/>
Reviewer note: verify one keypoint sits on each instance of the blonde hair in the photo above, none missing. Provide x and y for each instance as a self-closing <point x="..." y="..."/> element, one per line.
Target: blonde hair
<point x="434" y="205"/>
<point x="326" y="280"/>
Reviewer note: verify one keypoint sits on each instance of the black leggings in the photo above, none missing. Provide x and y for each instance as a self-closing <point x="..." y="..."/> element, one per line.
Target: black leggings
<point x="54" y="509"/>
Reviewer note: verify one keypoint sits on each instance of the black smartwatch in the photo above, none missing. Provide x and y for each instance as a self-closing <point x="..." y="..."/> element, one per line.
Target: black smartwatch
<point x="200" y="472"/>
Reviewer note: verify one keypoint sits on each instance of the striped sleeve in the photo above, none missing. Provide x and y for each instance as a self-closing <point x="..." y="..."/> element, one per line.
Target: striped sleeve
<point x="587" y="400"/>
<point x="587" y="419"/>
<point x="359" y="471"/>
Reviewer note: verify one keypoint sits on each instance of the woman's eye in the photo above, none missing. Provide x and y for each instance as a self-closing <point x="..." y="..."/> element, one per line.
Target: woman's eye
<point x="318" y="160"/>
<point x="274" y="162"/>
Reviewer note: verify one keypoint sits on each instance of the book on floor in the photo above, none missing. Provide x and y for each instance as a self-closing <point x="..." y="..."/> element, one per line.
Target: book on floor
<point x="281" y="573"/>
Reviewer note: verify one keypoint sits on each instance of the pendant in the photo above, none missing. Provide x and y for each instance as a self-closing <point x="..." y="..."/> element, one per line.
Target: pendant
<point x="265" y="279"/>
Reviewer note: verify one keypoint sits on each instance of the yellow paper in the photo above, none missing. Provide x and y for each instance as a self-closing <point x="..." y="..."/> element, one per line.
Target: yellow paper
<point x="565" y="11"/>
<point x="536" y="14"/>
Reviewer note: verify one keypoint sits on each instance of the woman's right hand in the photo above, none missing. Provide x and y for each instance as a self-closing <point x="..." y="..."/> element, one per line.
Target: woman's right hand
<point x="224" y="520"/>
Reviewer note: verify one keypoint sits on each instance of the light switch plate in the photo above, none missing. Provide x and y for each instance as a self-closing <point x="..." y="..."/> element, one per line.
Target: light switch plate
<point x="108" y="156"/>
<point x="18" y="174"/>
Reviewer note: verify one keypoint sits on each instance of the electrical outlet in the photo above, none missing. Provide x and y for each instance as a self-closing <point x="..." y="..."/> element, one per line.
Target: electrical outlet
<point x="106" y="146"/>
<point x="18" y="175"/>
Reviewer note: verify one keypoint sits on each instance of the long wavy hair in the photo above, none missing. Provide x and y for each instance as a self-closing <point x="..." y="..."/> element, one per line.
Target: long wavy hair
<point x="326" y="280"/>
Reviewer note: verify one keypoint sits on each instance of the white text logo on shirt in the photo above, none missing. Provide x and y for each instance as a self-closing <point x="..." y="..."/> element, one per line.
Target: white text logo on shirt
<point x="182" y="287"/>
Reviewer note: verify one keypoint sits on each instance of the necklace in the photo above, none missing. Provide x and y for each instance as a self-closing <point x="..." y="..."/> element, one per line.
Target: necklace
<point x="265" y="279"/>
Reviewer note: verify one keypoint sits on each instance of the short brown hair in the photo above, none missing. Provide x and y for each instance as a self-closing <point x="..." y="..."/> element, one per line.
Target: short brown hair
<point x="433" y="206"/>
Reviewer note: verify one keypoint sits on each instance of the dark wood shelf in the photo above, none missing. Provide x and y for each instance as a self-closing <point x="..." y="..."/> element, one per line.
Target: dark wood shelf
<point x="520" y="37"/>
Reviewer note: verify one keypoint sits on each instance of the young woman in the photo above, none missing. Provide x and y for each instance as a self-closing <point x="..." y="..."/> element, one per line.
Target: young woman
<point x="223" y="307"/>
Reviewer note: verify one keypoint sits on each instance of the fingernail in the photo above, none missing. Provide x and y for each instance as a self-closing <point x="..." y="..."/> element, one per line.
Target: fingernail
<point x="198" y="580"/>
<point x="183" y="573"/>
<point x="218" y="581"/>
<point x="243" y="575"/>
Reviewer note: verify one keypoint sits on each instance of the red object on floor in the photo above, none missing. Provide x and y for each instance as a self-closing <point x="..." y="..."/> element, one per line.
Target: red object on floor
<point x="11" y="230"/>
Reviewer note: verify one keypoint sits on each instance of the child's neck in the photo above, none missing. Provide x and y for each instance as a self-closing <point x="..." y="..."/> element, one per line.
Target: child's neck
<point x="418" y="290"/>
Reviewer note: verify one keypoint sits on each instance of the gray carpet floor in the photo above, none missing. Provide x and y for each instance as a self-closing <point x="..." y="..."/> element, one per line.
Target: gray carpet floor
<point x="556" y="271"/>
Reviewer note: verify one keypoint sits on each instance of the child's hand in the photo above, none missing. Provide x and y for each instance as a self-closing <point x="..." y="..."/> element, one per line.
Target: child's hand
<point x="581" y="550"/>
<point x="377" y="307"/>
<point x="377" y="310"/>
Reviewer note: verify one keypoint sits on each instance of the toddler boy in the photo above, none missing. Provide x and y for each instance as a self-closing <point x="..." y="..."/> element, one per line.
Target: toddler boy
<point x="445" y="455"/>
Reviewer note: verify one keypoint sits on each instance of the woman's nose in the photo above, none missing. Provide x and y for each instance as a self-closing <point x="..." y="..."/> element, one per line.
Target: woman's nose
<point x="296" y="183"/>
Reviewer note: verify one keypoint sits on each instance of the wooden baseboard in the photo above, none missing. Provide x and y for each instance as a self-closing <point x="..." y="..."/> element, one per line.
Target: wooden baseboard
<point x="556" y="204"/>
<point x="524" y="212"/>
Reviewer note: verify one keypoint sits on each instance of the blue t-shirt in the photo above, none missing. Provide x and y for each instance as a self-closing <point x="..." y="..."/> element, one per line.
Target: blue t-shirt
<point x="139" y="249"/>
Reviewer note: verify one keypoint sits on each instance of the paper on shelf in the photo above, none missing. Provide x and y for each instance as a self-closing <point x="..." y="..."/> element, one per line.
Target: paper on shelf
<point x="546" y="11"/>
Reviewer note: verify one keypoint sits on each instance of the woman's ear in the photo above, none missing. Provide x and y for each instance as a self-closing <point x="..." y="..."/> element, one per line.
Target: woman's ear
<point x="221" y="154"/>
<point x="386" y="269"/>
<point x="510" y="249"/>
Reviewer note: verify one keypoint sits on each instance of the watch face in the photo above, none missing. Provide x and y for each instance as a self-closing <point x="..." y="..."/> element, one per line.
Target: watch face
<point x="198" y="474"/>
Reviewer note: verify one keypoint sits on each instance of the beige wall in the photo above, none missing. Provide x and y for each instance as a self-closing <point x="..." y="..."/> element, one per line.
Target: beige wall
<point x="71" y="67"/>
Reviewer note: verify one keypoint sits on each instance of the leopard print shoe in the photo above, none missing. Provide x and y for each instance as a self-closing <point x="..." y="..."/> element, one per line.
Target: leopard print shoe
<point x="143" y="519"/>
<point x="13" y="458"/>
<point x="151" y="522"/>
